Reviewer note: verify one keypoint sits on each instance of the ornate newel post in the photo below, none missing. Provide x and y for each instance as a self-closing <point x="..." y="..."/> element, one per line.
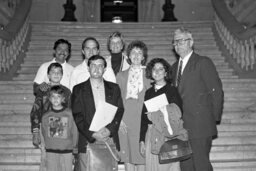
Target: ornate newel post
<point x="168" y="11"/>
<point x="69" y="11"/>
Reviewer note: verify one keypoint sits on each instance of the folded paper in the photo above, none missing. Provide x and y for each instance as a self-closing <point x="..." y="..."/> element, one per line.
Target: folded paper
<point x="156" y="103"/>
<point x="104" y="115"/>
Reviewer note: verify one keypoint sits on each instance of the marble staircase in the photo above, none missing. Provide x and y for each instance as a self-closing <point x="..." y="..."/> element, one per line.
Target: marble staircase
<point x="233" y="150"/>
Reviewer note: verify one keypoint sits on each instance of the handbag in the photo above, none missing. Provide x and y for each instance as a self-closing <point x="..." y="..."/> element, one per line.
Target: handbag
<point x="102" y="157"/>
<point x="174" y="150"/>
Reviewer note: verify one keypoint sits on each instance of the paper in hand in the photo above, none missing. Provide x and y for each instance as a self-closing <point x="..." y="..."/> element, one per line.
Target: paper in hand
<point x="104" y="115"/>
<point x="156" y="103"/>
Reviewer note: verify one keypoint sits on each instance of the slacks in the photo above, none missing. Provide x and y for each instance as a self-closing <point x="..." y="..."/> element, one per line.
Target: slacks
<point x="59" y="161"/>
<point x="200" y="160"/>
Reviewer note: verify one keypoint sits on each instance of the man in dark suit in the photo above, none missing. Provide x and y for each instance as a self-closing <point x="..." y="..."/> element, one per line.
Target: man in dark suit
<point x="201" y="91"/>
<point x="84" y="100"/>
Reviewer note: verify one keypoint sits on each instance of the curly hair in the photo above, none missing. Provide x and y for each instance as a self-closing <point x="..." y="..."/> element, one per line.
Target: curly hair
<point x="166" y="65"/>
<point x="140" y="45"/>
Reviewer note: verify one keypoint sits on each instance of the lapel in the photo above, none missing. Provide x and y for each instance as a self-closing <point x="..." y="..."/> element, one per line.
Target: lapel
<point x="87" y="97"/>
<point x="108" y="92"/>
<point x="146" y="83"/>
<point x="125" y="80"/>
<point x="188" y="68"/>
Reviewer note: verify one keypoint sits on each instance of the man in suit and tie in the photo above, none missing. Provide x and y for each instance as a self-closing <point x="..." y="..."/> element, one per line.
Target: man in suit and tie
<point x="84" y="100"/>
<point x="201" y="91"/>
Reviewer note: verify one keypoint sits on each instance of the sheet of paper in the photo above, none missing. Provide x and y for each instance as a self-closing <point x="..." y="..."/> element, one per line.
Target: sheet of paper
<point x="156" y="103"/>
<point x="104" y="115"/>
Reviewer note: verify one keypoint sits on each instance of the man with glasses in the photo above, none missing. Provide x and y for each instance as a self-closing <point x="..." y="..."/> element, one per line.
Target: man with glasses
<point x="90" y="47"/>
<point x="201" y="91"/>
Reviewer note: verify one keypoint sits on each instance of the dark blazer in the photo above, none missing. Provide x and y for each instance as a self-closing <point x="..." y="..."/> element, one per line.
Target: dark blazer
<point x="202" y="96"/>
<point x="83" y="109"/>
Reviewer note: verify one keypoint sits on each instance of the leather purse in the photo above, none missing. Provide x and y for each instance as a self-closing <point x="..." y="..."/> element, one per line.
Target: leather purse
<point x="102" y="157"/>
<point x="174" y="150"/>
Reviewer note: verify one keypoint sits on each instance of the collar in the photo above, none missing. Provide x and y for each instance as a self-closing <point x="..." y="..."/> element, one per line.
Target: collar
<point x="185" y="60"/>
<point x="54" y="60"/>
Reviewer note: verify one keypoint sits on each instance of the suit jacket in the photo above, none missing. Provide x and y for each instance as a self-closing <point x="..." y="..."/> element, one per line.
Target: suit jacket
<point x="83" y="109"/>
<point x="201" y="91"/>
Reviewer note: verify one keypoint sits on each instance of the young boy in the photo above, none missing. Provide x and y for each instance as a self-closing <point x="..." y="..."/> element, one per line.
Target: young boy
<point x="59" y="132"/>
<point x="42" y="103"/>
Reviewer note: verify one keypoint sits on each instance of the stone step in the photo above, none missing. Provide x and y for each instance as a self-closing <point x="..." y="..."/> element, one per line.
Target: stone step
<point x="212" y="53"/>
<point x="24" y="127"/>
<point x="101" y="32"/>
<point x="234" y="89"/>
<point x="21" y="98"/>
<point x="17" y="97"/>
<point x="239" y="115"/>
<point x="13" y="112"/>
<point x="76" y="61"/>
<point x="190" y="24"/>
<point x="235" y="165"/>
<point x="236" y="127"/>
<point x="240" y="81"/>
<point x="240" y="134"/>
<point x="26" y="92"/>
<point x="16" y="108"/>
<point x="232" y="140"/>
<point x="16" y="141"/>
<point x="156" y="41"/>
<point x="240" y="106"/>
<point x="25" y="70"/>
<point x="25" y="166"/>
<point x="15" y="117"/>
<point x="233" y="155"/>
<point x="218" y="60"/>
<point x="20" y="158"/>
<point x="31" y="77"/>
<point x="126" y="28"/>
<point x="242" y="156"/>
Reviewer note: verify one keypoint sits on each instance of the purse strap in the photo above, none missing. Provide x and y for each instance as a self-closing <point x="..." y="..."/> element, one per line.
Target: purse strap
<point x="114" y="154"/>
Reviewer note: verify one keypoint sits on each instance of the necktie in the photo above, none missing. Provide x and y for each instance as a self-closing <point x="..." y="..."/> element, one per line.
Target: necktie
<point x="179" y="74"/>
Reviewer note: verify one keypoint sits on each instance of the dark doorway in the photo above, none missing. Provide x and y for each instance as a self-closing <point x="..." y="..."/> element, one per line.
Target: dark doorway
<point x="127" y="10"/>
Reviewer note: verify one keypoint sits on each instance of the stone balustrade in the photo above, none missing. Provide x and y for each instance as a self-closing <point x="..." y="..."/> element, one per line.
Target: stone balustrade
<point x="240" y="42"/>
<point x="241" y="50"/>
<point x="14" y="35"/>
<point x="10" y="49"/>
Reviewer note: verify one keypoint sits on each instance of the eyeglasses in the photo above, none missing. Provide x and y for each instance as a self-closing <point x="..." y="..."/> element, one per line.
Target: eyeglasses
<point x="180" y="41"/>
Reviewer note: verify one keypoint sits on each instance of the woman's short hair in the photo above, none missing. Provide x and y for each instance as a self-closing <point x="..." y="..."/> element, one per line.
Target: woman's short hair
<point x="140" y="45"/>
<point x="114" y="35"/>
<point x="166" y="65"/>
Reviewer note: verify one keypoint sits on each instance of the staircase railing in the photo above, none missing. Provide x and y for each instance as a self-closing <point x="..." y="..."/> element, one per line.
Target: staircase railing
<point x="14" y="38"/>
<point x="239" y="40"/>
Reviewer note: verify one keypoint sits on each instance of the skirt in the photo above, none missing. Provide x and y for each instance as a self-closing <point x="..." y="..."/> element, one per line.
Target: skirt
<point x="152" y="162"/>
